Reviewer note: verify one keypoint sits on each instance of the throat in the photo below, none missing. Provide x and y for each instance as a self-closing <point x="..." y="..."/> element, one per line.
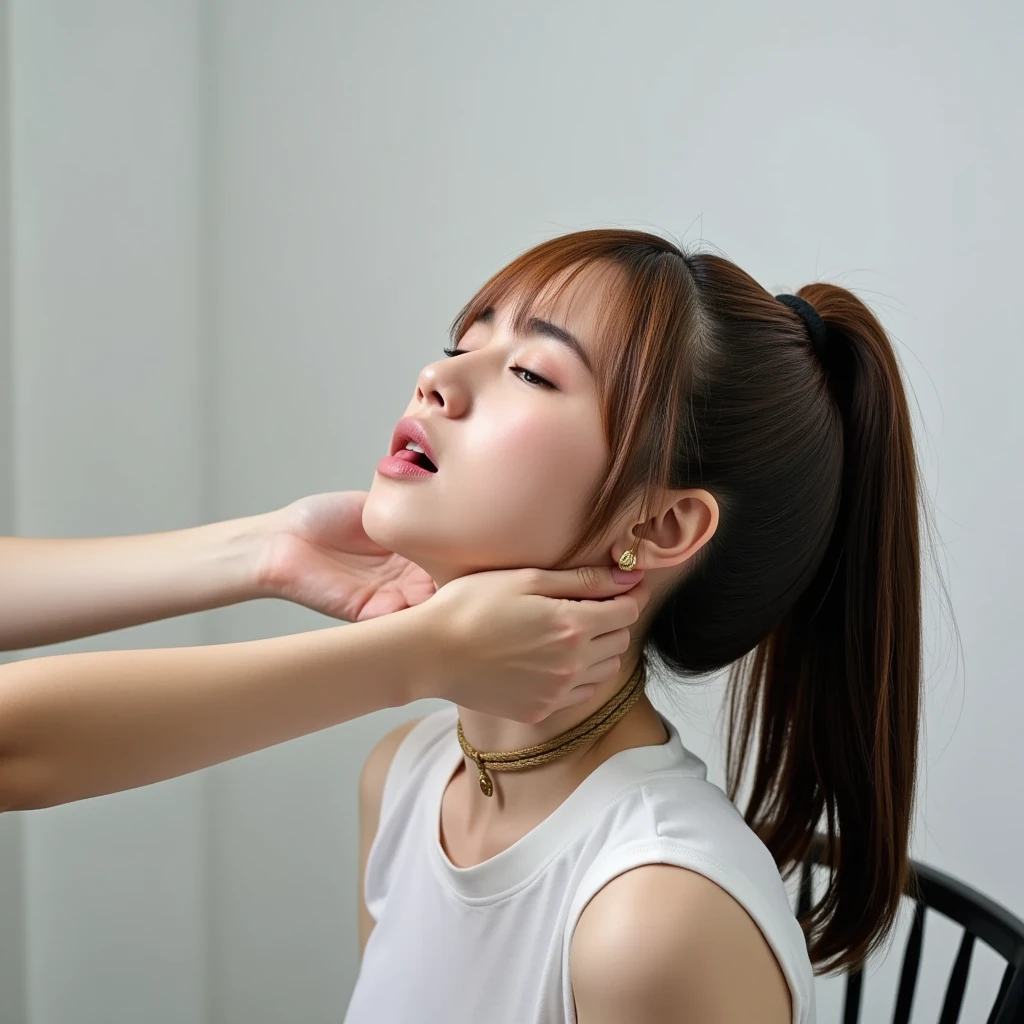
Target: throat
<point x="474" y="827"/>
<point x="584" y="734"/>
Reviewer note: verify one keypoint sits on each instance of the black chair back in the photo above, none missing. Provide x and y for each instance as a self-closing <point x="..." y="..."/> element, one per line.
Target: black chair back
<point x="981" y="918"/>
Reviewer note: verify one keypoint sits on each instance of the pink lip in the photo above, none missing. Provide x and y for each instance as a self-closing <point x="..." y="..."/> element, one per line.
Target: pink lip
<point x="399" y="468"/>
<point x="398" y="464"/>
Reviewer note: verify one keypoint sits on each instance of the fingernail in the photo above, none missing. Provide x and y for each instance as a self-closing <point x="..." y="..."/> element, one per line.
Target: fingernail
<point x="627" y="575"/>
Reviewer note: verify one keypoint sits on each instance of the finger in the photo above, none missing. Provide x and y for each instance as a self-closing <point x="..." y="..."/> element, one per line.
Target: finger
<point x="588" y="581"/>
<point x="598" y="617"/>
<point x="570" y="698"/>
<point x="599" y="673"/>
<point x="607" y="645"/>
<point x="581" y="694"/>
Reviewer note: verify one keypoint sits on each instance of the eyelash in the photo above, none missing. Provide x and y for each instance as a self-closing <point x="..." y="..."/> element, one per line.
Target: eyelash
<point x="541" y="382"/>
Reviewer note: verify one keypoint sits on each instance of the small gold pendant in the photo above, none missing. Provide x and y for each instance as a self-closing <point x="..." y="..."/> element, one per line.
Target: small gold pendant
<point x="486" y="786"/>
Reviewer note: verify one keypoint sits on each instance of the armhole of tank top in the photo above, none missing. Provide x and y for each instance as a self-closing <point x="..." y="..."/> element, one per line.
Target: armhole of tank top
<point x="412" y="748"/>
<point x="735" y="883"/>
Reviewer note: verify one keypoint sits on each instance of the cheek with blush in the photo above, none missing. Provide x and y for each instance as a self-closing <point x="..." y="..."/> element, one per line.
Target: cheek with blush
<point x="523" y="489"/>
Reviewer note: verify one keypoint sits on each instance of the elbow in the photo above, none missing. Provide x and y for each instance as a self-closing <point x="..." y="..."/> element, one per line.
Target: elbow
<point x="9" y="799"/>
<point x="10" y="774"/>
<point x="30" y="777"/>
<point x="16" y="790"/>
<point x="26" y="779"/>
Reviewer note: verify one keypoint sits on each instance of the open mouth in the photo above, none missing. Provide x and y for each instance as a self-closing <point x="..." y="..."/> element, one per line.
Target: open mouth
<point x="412" y="452"/>
<point x="417" y="456"/>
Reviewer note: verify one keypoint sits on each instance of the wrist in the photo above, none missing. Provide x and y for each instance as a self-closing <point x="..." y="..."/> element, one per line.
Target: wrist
<point x="239" y="550"/>
<point x="254" y="539"/>
<point x="423" y="643"/>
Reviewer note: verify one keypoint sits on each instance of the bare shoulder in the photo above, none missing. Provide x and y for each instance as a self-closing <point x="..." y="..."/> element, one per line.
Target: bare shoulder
<point x="666" y="945"/>
<point x="375" y="769"/>
<point x="371" y="792"/>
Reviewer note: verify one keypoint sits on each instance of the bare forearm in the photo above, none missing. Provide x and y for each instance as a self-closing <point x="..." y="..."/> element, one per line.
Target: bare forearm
<point x="81" y="725"/>
<point x="56" y="590"/>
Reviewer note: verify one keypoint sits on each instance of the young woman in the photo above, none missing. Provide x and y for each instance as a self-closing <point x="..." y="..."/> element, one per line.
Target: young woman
<point x="613" y="398"/>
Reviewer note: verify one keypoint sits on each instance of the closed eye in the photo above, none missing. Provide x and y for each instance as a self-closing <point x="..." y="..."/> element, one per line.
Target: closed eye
<point x="536" y="380"/>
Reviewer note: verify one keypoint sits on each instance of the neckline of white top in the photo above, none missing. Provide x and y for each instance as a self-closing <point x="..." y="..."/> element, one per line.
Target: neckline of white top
<point x="506" y="873"/>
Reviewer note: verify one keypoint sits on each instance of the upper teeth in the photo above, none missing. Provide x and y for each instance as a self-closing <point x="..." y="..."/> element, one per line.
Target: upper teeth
<point x="413" y="447"/>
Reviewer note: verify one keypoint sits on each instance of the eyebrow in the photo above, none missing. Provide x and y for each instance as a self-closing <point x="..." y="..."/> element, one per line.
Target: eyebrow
<point x="537" y="325"/>
<point x="549" y="330"/>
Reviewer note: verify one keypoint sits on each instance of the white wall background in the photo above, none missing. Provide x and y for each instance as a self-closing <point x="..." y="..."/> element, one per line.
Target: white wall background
<point x="12" y="916"/>
<point x="238" y="231"/>
<point x="108" y="417"/>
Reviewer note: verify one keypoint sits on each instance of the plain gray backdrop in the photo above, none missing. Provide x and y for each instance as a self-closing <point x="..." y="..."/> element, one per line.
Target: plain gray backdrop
<point x="237" y="229"/>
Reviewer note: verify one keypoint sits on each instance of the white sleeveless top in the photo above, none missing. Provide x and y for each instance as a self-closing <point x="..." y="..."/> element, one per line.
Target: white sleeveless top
<point x="491" y="942"/>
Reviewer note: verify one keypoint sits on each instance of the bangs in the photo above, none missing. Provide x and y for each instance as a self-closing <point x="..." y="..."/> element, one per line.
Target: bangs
<point x="545" y="271"/>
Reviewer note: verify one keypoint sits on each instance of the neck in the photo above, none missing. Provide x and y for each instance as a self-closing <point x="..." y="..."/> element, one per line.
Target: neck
<point x="523" y="799"/>
<point x="538" y="790"/>
<point x="491" y="733"/>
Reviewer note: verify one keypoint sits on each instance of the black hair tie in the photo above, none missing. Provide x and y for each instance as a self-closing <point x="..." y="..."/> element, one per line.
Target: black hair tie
<point x="812" y="320"/>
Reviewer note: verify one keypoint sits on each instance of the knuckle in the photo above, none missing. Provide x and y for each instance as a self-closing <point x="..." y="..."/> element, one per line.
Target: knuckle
<point x="566" y="673"/>
<point x="532" y="579"/>
<point x="589" y="577"/>
<point x="572" y="633"/>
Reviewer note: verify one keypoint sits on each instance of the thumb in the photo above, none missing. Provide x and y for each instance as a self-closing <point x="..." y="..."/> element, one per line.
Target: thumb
<point x="587" y="581"/>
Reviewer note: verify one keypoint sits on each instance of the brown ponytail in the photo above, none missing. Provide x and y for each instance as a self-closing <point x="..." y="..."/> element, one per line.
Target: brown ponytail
<point x="837" y="682"/>
<point x="810" y="587"/>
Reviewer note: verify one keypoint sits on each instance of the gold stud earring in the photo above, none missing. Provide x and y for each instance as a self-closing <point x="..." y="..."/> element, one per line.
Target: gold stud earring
<point x="627" y="560"/>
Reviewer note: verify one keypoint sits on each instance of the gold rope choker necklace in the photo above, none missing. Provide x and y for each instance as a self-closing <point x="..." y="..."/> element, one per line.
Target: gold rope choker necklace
<point x="589" y="730"/>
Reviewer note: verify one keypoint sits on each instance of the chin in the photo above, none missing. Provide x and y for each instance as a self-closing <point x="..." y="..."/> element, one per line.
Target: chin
<point x="386" y="523"/>
<point x="447" y="546"/>
<point x="390" y="524"/>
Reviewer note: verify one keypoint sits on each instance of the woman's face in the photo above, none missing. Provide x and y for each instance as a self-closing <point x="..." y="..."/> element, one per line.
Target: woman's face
<point x="514" y="427"/>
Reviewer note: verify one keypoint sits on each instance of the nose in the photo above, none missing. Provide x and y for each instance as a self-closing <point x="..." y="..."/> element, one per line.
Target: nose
<point x="439" y="385"/>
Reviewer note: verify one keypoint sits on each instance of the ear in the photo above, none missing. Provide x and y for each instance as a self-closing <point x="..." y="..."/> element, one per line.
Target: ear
<point x="683" y="523"/>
